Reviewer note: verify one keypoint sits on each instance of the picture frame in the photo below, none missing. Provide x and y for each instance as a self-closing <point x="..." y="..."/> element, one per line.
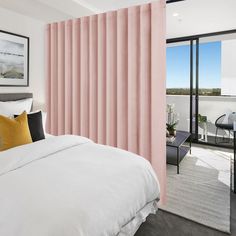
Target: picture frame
<point x="14" y="60"/>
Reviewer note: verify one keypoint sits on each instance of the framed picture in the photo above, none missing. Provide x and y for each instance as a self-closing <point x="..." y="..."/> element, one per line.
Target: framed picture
<point x="14" y="60"/>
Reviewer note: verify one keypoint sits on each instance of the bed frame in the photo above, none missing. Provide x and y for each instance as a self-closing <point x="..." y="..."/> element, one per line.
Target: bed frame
<point x="14" y="96"/>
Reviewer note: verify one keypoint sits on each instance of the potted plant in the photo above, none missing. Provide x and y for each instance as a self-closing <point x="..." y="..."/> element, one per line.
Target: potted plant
<point x="202" y="119"/>
<point x="172" y="120"/>
<point x="171" y="128"/>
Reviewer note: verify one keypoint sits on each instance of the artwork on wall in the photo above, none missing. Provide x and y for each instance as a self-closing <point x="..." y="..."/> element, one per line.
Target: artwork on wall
<point x="14" y="59"/>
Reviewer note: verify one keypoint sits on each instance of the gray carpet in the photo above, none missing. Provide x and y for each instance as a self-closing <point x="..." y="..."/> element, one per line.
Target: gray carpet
<point x="201" y="192"/>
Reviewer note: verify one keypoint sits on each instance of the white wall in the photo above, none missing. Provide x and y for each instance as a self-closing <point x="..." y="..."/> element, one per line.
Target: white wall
<point x="19" y="24"/>
<point x="228" y="67"/>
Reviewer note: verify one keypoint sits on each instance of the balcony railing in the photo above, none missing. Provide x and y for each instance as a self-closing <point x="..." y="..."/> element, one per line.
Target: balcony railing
<point x="210" y="106"/>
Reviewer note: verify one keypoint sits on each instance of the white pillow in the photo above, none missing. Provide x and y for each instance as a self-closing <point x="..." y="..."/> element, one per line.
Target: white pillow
<point x="44" y="118"/>
<point x="10" y="108"/>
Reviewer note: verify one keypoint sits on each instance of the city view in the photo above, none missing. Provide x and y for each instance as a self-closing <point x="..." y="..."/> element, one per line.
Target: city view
<point x="201" y="91"/>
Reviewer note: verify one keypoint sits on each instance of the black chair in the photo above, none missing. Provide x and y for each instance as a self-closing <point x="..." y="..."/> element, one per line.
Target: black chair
<point x="223" y="126"/>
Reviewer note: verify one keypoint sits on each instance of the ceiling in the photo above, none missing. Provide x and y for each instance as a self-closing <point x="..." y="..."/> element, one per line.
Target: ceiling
<point x="47" y="10"/>
<point x="193" y="17"/>
<point x="183" y="18"/>
<point x="109" y="5"/>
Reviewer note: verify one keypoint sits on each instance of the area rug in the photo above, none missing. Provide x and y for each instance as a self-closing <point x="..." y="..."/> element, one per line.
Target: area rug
<point x="201" y="192"/>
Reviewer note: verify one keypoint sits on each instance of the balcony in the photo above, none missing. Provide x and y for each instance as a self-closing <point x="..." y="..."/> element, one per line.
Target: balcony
<point x="210" y="106"/>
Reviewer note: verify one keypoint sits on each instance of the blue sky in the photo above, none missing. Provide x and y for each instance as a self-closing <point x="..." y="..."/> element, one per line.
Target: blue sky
<point x="209" y="66"/>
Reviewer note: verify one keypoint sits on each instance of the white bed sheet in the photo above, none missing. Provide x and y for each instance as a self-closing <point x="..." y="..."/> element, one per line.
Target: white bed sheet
<point x="131" y="228"/>
<point x="70" y="186"/>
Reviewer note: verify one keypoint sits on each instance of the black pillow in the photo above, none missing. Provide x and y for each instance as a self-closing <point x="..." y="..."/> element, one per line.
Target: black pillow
<point x="35" y="126"/>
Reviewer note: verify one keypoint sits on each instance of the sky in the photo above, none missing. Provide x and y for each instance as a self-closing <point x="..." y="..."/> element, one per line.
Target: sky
<point x="178" y="66"/>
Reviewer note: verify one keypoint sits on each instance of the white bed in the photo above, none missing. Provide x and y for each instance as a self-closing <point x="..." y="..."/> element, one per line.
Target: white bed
<point x="70" y="186"/>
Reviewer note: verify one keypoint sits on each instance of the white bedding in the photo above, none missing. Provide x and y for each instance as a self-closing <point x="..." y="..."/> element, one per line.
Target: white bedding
<point x="70" y="186"/>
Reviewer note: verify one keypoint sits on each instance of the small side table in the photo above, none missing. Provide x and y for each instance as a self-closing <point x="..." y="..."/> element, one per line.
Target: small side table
<point x="176" y="150"/>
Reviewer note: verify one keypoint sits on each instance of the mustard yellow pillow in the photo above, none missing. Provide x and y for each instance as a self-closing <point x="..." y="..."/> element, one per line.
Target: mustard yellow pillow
<point x="14" y="132"/>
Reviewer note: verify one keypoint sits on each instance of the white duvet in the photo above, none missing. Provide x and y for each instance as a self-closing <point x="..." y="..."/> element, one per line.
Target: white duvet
<point x="70" y="186"/>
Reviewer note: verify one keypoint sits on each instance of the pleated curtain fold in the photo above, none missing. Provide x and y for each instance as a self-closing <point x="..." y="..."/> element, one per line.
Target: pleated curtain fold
<point x="106" y="80"/>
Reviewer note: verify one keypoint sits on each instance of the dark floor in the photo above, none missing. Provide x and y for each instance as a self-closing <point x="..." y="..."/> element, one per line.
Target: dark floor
<point x="167" y="224"/>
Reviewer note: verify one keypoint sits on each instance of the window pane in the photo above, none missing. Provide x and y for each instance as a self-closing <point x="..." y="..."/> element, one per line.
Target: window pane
<point x="178" y="69"/>
<point x="210" y="68"/>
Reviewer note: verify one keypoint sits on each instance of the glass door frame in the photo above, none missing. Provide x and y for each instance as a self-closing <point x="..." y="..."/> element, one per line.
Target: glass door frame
<point x="194" y="97"/>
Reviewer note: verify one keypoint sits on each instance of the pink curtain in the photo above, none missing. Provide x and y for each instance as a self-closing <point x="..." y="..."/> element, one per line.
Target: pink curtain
<point x="106" y="80"/>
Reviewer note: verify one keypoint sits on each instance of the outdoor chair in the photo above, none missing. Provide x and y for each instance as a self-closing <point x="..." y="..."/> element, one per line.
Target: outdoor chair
<point x="220" y="124"/>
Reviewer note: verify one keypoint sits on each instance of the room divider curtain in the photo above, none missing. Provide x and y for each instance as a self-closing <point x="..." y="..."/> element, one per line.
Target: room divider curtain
<point x="106" y="80"/>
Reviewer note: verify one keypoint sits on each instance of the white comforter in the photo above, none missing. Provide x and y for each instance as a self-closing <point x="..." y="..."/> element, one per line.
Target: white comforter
<point x="70" y="186"/>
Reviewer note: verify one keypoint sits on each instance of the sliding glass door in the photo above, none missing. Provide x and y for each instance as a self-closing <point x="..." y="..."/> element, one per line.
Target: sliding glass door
<point x="178" y="92"/>
<point x="217" y="88"/>
<point x="182" y="83"/>
<point x="201" y="79"/>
